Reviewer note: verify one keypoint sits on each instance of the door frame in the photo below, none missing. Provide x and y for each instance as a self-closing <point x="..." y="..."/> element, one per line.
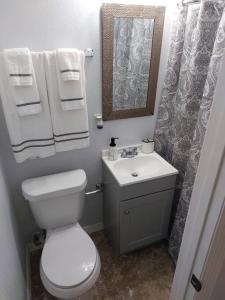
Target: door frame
<point x="202" y="195"/>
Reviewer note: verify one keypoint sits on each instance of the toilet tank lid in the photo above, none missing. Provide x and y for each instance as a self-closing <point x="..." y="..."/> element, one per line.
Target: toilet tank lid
<point x="54" y="185"/>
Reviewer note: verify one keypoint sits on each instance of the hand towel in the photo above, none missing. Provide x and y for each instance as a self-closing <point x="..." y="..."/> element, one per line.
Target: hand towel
<point x="68" y="60"/>
<point x="70" y="127"/>
<point x="31" y="136"/>
<point x="26" y="97"/>
<point x="71" y="92"/>
<point x="19" y="66"/>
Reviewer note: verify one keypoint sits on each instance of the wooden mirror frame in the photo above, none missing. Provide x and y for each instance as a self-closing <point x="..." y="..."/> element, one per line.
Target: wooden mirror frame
<point x="109" y="12"/>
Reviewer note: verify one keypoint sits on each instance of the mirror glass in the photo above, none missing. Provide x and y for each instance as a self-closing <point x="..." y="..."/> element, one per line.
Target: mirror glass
<point x="132" y="45"/>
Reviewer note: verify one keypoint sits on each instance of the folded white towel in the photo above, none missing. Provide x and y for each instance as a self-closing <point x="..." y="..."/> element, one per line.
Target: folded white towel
<point x="19" y="66"/>
<point x="32" y="136"/>
<point x="68" y="60"/>
<point x="27" y="100"/>
<point x="70" y="127"/>
<point x="72" y="92"/>
<point x="26" y="97"/>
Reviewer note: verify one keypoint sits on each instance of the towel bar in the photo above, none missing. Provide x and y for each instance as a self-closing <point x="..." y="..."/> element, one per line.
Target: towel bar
<point x="89" y="52"/>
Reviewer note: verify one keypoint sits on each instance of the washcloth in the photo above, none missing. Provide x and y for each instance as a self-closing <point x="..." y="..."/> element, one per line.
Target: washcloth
<point x="19" y="66"/>
<point x="71" y="92"/>
<point x="68" y="60"/>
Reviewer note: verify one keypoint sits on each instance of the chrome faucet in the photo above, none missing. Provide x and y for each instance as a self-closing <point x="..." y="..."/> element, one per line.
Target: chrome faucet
<point x="129" y="152"/>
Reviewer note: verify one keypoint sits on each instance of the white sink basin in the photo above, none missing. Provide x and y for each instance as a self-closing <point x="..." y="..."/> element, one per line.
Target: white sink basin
<point x="140" y="168"/>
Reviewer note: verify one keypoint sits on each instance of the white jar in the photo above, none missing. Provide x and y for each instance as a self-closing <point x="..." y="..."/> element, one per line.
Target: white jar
<point x="147" y="145"/>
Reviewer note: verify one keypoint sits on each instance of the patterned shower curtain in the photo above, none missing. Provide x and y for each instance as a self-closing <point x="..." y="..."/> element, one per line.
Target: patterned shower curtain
<point x="197" y="47"/>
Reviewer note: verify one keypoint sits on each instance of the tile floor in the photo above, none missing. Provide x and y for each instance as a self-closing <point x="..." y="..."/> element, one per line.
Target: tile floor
<point x="145" y="274"/>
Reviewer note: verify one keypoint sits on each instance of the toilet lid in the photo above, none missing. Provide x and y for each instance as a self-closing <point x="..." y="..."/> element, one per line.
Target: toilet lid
<point x="68" y="257"/>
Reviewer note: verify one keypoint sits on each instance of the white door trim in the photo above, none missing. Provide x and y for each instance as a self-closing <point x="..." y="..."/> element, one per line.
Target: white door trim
<point x="209" y="164"/>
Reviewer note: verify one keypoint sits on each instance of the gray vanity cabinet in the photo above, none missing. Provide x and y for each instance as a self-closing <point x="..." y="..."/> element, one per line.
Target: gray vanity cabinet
<point x="136" y="215"/>
<point x="144" y="220"/>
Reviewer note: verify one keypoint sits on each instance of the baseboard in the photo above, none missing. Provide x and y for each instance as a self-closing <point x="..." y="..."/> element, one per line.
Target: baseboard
<point x="94" y="227"/>
<point x="28" y="281"/>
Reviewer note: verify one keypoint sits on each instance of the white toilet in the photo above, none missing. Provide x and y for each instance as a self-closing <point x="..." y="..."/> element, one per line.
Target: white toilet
<point x="70" y="263"/>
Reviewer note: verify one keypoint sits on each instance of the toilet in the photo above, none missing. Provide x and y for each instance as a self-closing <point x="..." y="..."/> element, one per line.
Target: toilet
<point x="70" y="263"/>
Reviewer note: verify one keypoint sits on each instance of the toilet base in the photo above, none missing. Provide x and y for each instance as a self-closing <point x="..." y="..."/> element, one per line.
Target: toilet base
<point x="86" y="296"/>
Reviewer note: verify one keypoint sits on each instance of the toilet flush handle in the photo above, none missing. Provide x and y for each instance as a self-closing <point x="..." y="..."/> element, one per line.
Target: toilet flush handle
<point x="99" y="188"/>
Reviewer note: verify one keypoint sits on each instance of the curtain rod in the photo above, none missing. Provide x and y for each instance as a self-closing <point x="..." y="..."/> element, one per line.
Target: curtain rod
<point x="186" y="2"/>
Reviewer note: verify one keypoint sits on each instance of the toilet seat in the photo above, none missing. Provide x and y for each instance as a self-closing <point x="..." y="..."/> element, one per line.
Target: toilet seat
<point x="74" y="292"/>
<point x="69" y="261"/>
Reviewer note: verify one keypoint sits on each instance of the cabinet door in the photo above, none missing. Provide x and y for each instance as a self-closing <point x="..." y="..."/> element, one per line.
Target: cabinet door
<point x="144" y="220"/>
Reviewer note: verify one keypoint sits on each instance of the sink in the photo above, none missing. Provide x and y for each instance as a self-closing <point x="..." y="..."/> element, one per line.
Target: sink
<point x="140" y="168"/>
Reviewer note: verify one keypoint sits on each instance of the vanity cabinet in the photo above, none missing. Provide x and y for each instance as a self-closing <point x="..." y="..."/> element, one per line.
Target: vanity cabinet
<point x="136" y="215"/>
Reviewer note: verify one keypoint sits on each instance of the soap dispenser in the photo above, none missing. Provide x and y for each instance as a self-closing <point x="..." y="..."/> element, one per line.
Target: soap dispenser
<point x="113" y="151"/>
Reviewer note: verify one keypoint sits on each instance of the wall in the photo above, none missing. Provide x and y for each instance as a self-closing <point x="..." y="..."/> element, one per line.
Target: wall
<point x="12" y="282"/>
<point x="47" y="24"/>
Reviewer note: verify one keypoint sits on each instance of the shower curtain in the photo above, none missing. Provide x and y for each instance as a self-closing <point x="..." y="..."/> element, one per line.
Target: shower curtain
<point x="197" y="46"/>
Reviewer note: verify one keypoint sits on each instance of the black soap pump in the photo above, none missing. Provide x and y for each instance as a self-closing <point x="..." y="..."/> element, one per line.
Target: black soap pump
<point x="113" y="151"/>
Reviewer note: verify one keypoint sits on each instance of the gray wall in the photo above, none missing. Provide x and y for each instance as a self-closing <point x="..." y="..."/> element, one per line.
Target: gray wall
<point x="47" y="24"/>
<point x="12" y="264"/>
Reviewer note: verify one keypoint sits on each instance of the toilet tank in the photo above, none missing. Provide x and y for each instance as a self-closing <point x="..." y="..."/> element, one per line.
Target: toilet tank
<point x="56" y="200"/>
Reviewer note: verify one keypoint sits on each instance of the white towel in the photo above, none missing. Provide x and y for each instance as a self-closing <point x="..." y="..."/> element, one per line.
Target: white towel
<point x="26" y="97"/>
<point x="71" y="92"/>
<point x="32" y="136"/>
<point x="68" y="60"/>
<point x="70" y="127"/>
<point x="19" y="66"/>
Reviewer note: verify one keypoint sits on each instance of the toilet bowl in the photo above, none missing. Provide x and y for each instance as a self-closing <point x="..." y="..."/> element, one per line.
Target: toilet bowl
<point x="70" y="263"/>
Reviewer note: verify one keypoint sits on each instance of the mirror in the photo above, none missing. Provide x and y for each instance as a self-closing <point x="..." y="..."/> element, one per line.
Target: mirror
<point x="131" y="37"/>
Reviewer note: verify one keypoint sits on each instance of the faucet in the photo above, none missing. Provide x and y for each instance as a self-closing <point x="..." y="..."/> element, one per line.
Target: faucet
<point x="129" y="152"/>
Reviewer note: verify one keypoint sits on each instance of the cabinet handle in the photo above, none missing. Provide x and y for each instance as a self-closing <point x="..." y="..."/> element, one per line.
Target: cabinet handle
<point x="126" y="212"/>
